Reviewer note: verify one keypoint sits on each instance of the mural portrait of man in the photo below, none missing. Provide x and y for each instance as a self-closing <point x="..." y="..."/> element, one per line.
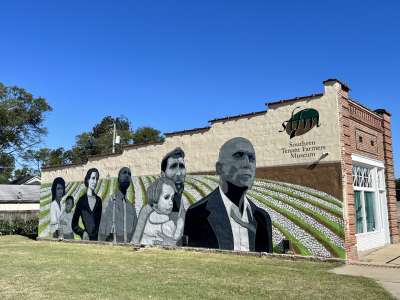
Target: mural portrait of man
<point x="173" y="167"/>
<point x="118" y="219"/>
<point x="226" y="218"/>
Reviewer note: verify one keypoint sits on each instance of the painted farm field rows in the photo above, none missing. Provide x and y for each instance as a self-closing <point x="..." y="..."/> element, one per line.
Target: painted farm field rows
<point x="312" y="223"/>
<point x="313" y="229"/>
<point x="329" y="207"/>
<point x="309" y="192"/>
<point x="333" y="224"/>
<point x="310" y="228"/>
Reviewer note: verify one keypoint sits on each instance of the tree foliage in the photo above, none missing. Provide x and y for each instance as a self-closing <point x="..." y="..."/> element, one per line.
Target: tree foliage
<point x="99" y="141"/>
<point x="23" y="172"/>
<point x="21" y="118"/>
<point x="7" y="164"/>
<point x="146" y="135"/>
<point x="48" y="157"/>
<point x="21" y="125"/>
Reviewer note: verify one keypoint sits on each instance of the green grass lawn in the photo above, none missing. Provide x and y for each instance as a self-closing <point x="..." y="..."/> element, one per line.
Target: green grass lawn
<point x="48" y="270"/>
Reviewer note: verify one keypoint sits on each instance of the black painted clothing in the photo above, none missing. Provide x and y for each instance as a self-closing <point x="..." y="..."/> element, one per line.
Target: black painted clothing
<point x="207" y="225"/>
<point x="90" y="218"/>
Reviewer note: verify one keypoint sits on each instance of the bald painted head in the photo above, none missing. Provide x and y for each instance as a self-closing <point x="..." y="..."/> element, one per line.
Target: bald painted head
<point x="124" y="179"/>
<point x="237" y="163"/>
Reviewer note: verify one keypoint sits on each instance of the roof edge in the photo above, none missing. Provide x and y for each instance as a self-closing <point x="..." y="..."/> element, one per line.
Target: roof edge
<point x="234" y="117"/>
<point x="344" y="85"/>
<point x="187" y="131"/>
<point x="382" y="111"/>
<point x="285" y="101"/>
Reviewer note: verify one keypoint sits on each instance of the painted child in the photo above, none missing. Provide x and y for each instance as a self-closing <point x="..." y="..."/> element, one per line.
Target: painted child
<point x="155" y="226"/>
<point x="66" y="219"/>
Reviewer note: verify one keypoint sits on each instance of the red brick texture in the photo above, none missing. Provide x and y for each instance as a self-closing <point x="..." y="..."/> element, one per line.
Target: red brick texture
<point x="366" y="133"/>
<point x="348" y="193"/>
<point x="389" y="177"/>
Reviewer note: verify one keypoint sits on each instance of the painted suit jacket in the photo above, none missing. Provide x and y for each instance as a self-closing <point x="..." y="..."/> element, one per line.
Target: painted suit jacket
<point x="207" y="225"/>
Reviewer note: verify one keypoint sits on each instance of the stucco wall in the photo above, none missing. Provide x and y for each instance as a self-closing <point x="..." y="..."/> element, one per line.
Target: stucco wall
<point x="273" y="148"/>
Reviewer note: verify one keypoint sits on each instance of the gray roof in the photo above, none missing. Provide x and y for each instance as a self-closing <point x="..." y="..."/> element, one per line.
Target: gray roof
<point x="27" y="180"/>
<point x="19" y="193"/>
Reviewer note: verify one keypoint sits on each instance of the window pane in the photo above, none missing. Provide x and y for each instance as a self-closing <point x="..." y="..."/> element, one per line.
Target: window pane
<point x="381" y="180"/>
<point x="370" y="210"/>
<point x="359" y="218"/>
<point x="362" y="177"/>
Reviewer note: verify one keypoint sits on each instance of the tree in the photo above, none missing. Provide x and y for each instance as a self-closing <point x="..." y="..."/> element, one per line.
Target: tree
<point x="146" y="135"/>
<point x="21" y="125"/>
<point x="58" y="157"/>
<point x="48" y="157"/>
<point x="38" y="157"/>
<point x="102" y="134"/>
<point x="23" y="172"/>
<point x="21" y="118"/>
<point x="99" y="141"/>
<point x="7" y="165"/>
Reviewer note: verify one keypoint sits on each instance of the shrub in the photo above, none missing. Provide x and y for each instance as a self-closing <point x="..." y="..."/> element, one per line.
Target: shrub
<point x="28" y="227"/>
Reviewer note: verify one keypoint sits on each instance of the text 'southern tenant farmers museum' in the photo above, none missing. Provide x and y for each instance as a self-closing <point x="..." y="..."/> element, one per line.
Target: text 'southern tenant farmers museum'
<point x="314" y="170"/>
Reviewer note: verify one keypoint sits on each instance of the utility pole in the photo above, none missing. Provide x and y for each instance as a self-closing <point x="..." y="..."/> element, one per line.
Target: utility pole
<point x="114" y="136"/>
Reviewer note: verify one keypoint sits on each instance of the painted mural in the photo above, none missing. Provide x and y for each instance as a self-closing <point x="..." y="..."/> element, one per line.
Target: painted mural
<point x="231" y="210"/>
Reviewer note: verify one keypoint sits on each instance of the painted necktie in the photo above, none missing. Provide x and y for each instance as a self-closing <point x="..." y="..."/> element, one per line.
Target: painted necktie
<point x="235" y="215"/>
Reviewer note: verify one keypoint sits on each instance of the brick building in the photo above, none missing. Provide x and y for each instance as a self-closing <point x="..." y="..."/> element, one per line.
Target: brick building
<point x="324" y="169"/>
<point x="368" y="176"/>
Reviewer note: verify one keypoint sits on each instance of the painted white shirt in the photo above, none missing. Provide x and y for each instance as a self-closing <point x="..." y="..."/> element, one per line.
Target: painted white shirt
<point x="55" y="214"/>
<point x="65" y="222"/>
<point x="157" y="223"/>
<point x="240" y="233"/>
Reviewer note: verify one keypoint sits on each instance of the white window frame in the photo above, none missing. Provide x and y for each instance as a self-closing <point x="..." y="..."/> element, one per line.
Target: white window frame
<point x="379" y="190"/>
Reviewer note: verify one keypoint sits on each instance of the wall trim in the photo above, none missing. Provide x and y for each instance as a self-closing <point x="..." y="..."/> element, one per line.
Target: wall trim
<point x="367" y="161"/>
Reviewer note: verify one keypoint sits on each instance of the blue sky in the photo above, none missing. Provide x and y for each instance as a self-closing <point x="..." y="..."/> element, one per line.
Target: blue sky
<point x="175" y="65"/>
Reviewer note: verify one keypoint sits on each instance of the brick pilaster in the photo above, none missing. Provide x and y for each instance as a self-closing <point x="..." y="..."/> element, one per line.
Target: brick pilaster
<point x="389" y="175"/>
<point x="347" y="177"/>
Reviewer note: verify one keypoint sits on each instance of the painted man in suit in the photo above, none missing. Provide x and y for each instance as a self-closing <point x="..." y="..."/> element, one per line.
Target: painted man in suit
<point x="226" y="218"/>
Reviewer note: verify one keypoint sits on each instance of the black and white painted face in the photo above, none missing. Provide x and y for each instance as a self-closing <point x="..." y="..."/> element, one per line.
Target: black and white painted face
<point x="59" y="191"/>
<point x="176" y="171"/>
<point x="124" y="178"/>
<point x="68" y="206"/>
<point x="92" y="183"/>
<point x="238" y="163"/>
<point x="165" y="204"/>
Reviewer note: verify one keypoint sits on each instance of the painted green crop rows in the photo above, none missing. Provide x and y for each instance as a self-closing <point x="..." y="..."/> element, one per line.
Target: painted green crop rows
<point x="298" y="213"/>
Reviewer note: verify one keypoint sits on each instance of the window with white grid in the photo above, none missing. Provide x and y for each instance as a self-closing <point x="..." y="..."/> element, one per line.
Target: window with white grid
<point x="362" y="177"/>
<point x="367" y="184"/>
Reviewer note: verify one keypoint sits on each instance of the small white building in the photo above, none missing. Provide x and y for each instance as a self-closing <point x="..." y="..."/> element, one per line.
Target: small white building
<point x="20" y="200"/>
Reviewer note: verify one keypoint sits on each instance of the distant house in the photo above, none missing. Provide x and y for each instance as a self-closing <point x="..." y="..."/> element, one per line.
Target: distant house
<point x="27" y="180"/>
<point x="20" y="199"/>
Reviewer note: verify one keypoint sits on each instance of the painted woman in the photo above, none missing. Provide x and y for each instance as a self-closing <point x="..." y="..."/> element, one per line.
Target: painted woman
<point x="88" y="208"/>
<point x="57" y="192"/>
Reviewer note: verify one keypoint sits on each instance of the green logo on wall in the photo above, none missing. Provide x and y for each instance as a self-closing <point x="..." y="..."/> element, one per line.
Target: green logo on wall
<point x="301" y="122"/>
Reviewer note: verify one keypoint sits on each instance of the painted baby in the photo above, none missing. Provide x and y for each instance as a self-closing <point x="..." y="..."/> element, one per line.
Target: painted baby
<point x="155" y="226"/>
